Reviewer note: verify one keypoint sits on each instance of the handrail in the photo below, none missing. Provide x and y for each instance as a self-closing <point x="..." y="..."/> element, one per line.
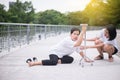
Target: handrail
<point x="18" y="34"/>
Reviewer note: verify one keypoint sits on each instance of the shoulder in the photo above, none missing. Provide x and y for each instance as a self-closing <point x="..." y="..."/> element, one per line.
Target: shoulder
<point x="65" y="40"/>
<point x="68" y="40"/>
<point x="102" y="31"/>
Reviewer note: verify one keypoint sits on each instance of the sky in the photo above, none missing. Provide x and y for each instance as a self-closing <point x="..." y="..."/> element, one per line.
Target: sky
<point x="59" y="5"/>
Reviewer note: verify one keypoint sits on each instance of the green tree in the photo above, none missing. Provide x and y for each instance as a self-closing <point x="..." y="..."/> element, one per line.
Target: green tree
<point x="74" y="18"/>
<point x="29" y="11"/>
<point x="21" y="12"/>
<point x="3" y="13"/>
<point x="95" y="12"/>
<point x="50" y="17"/>
<point x="112" y="11"/>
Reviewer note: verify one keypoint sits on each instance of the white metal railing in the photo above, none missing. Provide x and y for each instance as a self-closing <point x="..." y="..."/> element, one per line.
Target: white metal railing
<point x="18" y="34"/>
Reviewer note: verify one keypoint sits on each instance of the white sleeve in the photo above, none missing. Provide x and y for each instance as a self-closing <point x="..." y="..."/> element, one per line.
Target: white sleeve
<point x="100" y="35"/>
<point x="68" y="43"/>
<point x="78" y="50"/>
<point x="113" y="42"/>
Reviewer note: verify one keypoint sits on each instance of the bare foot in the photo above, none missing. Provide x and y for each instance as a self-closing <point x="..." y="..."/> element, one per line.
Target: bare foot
<point x="88" y="60"/>
<point x="31" y="64"/>
<point x="99" y="57"/>
<point x="110" y="59"/>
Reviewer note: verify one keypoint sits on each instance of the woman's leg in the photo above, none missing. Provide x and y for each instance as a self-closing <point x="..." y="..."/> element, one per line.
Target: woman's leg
<point x="111" y="50"/>
<point x="34" y="63"/>
<point x="66" y="59"/>
<point x="52" y="61"/>
<point x="100" y="50"/>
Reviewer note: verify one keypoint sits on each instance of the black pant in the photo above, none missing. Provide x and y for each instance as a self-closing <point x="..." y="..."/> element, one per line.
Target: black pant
<point x="54" y="60"/>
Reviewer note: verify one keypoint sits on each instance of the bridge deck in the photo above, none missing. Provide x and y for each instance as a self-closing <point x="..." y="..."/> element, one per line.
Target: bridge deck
<point x="13" y="66"/>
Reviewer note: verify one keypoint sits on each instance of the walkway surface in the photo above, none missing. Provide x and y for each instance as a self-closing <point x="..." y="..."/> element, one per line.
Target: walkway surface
<point x="13" y="66"/>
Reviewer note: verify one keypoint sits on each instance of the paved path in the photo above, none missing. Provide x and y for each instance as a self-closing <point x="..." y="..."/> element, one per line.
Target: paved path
<point x="13" y="66"/>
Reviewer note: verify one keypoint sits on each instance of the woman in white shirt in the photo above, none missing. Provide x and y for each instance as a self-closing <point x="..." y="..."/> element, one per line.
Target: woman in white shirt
<point x="60" y="53"/>
<point x="105" y="42"/>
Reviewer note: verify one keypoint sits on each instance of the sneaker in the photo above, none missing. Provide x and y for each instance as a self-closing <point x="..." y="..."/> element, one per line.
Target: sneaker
<point x="28" y="60"/>
<point x="99" y="57"/>
<point x="34" y="59"/>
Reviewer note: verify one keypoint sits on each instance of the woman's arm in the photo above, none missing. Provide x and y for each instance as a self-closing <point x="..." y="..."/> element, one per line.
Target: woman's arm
<point x="80" y="38"/>
<point x="95" y="46"/>
<point x="92" y="39"/>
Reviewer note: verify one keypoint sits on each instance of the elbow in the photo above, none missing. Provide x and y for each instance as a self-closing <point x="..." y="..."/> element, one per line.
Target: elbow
<point x="76" y="45"/>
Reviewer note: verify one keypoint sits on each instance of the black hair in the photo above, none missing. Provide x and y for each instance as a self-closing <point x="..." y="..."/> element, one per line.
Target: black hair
<point x="112" y="31"/>
<point x="74" y="29"/>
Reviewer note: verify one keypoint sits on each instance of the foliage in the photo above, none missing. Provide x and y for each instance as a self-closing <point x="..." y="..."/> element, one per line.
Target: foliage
<point x="74" y="18"/>
<point x="3" y="13"/>
<point x="21" y="12"/>
<point x="112" y="11"/>
<point x="50" y="17"/>
<point x="97" y="12"/>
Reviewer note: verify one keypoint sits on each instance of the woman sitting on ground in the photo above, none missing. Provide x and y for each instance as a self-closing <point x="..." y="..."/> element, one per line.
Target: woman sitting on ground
<point x="61" y="52"/>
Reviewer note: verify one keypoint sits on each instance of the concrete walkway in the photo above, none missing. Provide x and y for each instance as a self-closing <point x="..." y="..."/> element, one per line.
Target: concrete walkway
<point x="13" y="66"/>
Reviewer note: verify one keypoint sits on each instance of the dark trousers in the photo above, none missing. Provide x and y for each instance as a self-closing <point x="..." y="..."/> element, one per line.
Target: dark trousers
<point x="54" y="60"/>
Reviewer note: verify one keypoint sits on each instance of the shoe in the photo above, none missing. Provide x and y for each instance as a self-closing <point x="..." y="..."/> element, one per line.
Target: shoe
<point x="99" y="57"/>
<point x="28" y="60"/>
<point x="34" y="59"/>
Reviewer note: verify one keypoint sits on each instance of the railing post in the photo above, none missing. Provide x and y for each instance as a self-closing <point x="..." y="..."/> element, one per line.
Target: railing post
<point x="45" y="31"/>
<point x="35" y="27"/>
<point x="0" y="45"/>
<point x="8" y="38"/>
<point x="28" y="33"/>
<point x="20" y="36"/>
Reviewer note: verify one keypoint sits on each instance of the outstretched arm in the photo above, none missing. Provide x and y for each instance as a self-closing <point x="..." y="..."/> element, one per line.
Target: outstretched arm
<point x="93" y="46"/>
<point x="92" y="39"/>
<point x="80" y="38"/>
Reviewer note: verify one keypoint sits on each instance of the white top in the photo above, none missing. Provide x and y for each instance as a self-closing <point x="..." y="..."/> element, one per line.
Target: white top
<point x="65" y="47"/>
<point x="106" y="41"/>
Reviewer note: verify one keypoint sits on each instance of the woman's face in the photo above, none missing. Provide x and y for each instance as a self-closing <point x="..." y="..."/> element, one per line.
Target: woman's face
<point x="74" y="35"/>
<point x="106" y="33"/>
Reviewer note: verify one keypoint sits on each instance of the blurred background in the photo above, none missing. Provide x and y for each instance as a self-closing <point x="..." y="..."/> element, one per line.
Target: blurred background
<point x="63" y="12"/>
<point x="24" y="21"/>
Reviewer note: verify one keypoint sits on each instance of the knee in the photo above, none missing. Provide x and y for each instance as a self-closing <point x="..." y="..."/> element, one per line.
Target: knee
<point x="71" y="60"/>
<point x="54" y="62"/>
<point x="97" y="42"/>
<point x="106" y="47"/>
<point x="67" y="60"/>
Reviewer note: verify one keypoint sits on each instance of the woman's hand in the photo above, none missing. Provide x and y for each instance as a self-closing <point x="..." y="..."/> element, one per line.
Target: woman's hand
<point x="84" y="27"/>
<point x="84" y="47"/>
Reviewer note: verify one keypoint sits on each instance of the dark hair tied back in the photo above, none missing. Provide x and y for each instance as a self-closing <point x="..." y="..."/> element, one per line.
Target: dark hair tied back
<point x="112" y="31"/>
